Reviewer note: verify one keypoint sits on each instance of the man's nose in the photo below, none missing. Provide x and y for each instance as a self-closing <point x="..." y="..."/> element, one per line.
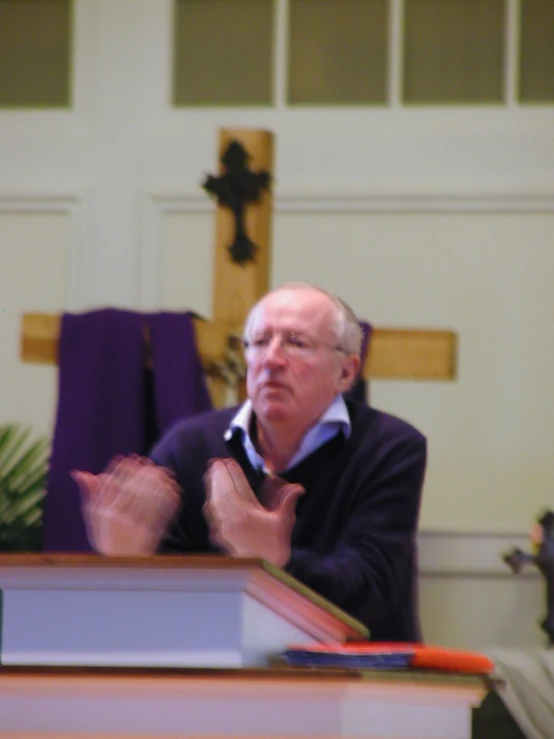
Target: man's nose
<point x="275" y="352"/>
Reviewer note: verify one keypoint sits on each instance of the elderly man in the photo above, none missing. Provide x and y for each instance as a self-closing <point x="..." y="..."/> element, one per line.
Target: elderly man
<point x="325" y="488"/>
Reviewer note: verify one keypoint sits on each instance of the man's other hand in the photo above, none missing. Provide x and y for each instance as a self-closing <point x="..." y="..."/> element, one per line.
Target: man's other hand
<point x="127" y="507"/>
<point x="239" y="523"/>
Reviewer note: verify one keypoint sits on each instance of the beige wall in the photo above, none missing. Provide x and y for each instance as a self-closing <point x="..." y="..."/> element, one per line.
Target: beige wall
<point x="34" y="249"/>
<point x="485" y="275"/>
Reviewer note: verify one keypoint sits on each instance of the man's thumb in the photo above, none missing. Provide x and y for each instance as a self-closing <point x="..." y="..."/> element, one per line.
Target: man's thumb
<point x="88" y="483"/>
<point x="289" y="500"/>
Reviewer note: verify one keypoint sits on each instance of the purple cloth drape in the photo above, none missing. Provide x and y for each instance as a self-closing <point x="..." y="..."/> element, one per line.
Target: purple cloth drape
<point x="179" y="385"/>
<point x="108" y="404"/>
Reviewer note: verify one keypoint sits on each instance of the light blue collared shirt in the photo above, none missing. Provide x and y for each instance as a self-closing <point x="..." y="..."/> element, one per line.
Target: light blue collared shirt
<point x="332" y="422"/>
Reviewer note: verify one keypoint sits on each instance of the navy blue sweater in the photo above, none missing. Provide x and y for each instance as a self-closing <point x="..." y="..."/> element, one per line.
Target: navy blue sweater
<point x="353" y="541"/>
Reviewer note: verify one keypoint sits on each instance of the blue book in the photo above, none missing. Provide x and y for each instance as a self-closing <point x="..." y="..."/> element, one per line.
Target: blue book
<point x="349" y="659"/>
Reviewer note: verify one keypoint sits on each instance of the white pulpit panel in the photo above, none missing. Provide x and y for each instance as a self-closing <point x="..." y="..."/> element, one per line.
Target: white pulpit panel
<point x="157" y="612"/>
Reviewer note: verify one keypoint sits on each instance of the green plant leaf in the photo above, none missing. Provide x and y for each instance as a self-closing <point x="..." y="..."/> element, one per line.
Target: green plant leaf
<point x="23" y="470"/>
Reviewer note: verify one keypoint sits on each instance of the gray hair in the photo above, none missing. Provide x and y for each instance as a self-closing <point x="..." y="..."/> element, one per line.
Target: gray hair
<point x="346" y="327"/>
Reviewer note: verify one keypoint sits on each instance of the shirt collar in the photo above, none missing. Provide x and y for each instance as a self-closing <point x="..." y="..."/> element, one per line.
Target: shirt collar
<point x="334" y="419"/>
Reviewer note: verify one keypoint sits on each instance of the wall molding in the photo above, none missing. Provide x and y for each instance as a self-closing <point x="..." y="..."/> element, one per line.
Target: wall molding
<point x="158" y="201"/>
<point x="412" y="202"/>
<point x="470" y="553"/>
<point x="319" y="200"/>
<point x="72" y="204"/>
<point x="38" y="202"/>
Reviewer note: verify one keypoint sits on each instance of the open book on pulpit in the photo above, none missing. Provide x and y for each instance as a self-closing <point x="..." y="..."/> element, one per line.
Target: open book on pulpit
<point x="162" y="611"/>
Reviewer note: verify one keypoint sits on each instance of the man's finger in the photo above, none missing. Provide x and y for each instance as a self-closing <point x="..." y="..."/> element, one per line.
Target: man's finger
<point x="240" y="483"/>
<point x="211" y="520"/>
<point x="89" y="488"/>
<point x="214" y="477"/>
<point x="153" y="494"/>
<point x="272" y="491"/>
<point x="113" y="463"/>
<point x="289" y="500"/>
<point x="220" y="489"/>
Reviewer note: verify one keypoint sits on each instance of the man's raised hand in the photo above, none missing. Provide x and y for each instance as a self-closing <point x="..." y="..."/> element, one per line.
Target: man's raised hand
<point x="127" y="507"/>
<point x="239" y="523"/>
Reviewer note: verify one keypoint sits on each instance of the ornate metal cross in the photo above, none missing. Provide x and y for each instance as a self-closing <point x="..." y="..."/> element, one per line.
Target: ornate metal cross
<point x="234" y="189"/>
<point x="543" y="538"/>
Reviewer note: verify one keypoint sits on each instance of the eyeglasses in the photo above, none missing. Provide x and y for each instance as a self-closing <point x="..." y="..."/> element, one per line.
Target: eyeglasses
<point x="291" y="343"/>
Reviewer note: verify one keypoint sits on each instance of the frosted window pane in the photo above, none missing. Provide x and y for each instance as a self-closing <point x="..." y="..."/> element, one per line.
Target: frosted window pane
<point x="35" y="53"/>
<point x="222" y="52"/>
<point x="338" y="51"/>
<point x="454" y="51"/>
<point x="537" y="51"/>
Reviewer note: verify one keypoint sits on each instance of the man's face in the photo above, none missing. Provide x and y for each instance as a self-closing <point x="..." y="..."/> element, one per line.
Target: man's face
<point x="293" y="371"/>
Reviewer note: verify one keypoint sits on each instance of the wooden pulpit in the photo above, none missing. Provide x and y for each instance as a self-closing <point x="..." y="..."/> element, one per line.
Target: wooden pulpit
<point x="266" y="703"/>
<point x="211" y="611"/>
<point x="164" y="647"/>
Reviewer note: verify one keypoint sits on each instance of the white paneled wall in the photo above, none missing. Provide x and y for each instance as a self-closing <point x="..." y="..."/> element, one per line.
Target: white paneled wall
<point x="470" y="598"/>
<point x="486" y="275"/>
<point x="35" y="246"/>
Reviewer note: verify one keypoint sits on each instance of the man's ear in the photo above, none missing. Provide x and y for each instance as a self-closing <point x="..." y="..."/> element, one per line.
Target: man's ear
<point x="348" y="373"/>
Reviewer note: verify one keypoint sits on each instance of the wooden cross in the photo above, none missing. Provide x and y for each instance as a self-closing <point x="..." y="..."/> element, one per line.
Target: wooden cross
<point x="393" y="353"/>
